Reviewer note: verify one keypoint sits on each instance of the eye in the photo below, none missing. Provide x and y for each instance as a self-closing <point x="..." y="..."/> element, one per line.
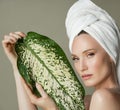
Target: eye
<point x="91" y="54"/>
<point x="75" y="58"/>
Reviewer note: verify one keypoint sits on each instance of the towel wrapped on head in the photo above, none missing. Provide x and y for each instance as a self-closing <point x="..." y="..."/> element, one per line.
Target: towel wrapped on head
<point x="87" y="16"/>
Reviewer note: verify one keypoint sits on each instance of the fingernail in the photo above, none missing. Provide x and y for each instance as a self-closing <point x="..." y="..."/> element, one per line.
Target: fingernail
<point x="37" y="84"/>
<point x="11" y="33"/>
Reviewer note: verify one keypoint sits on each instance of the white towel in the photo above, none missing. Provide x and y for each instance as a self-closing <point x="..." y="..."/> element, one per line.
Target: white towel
<point x="85" y="15"/>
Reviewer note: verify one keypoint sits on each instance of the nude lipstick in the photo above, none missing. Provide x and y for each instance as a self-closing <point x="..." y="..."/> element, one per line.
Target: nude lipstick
<point x="86" y="76"/>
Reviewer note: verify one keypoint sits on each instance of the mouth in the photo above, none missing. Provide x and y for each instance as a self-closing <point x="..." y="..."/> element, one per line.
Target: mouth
<point x="86" y="76"/>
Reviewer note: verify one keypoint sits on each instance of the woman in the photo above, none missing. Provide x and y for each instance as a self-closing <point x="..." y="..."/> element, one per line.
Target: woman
<point x="97" y="69"/>
<point x="95" y="48"/>
<point x="94" y="41"/>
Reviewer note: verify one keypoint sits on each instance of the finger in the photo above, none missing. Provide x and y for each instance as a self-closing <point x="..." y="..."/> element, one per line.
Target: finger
<point x="21" y="34"/>
<point x="24" y="82"/>
<point x="41" y="90"/>
<point x="10" y="38"/>
<point x="16" y="36"/>
<point x="32" y="97"/>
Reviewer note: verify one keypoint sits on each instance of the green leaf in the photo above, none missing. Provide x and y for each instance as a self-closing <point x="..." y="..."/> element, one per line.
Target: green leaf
<point x="42" y="60"/>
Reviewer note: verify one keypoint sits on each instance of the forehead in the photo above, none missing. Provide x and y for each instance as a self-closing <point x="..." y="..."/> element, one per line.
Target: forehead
<point x="84" y="42"/>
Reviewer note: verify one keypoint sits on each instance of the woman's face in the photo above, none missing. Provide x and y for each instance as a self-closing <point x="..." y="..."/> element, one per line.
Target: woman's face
<point x="91" y="61"/>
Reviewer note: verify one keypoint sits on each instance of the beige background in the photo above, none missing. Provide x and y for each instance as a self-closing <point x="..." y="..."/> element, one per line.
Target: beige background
<point x="43" y="16"/>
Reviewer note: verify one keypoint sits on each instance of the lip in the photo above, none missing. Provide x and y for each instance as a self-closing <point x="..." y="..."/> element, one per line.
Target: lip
<point x="86" y="76"/>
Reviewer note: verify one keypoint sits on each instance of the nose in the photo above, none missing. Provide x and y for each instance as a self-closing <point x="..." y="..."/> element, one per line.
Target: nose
<point x="82" y="65"/>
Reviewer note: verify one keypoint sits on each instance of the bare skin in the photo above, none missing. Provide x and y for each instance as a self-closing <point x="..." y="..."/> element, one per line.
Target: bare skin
<point x="106" y="99"/>
<point x="96" y="69"/>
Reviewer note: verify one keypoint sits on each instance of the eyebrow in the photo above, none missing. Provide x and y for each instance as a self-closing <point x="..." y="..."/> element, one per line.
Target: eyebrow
<point x="88" y="50"/>
<point x="85" y="51"/>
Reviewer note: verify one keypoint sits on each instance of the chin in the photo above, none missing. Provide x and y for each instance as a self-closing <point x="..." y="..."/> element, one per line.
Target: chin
<point x="89" y="84"/>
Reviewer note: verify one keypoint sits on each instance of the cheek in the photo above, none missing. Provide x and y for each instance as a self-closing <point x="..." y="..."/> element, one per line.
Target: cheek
<point x="76" y="67"/>
<point x="99" y="65"/>
<point x="94" y="63"/>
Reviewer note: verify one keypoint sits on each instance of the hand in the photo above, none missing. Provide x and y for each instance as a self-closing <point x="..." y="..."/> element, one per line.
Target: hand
<point x="45" y="102"/>
<point x="9" y="43"/>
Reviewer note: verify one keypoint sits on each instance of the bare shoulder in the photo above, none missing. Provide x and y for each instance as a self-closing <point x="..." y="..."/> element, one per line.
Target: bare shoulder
<point x="105" y="99"/>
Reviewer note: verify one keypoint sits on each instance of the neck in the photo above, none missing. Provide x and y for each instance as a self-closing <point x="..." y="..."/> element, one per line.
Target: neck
<point x="109" y="83"/>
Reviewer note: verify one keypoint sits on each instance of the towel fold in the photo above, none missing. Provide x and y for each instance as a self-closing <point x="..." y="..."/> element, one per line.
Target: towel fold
<point x="87" y="16"/>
